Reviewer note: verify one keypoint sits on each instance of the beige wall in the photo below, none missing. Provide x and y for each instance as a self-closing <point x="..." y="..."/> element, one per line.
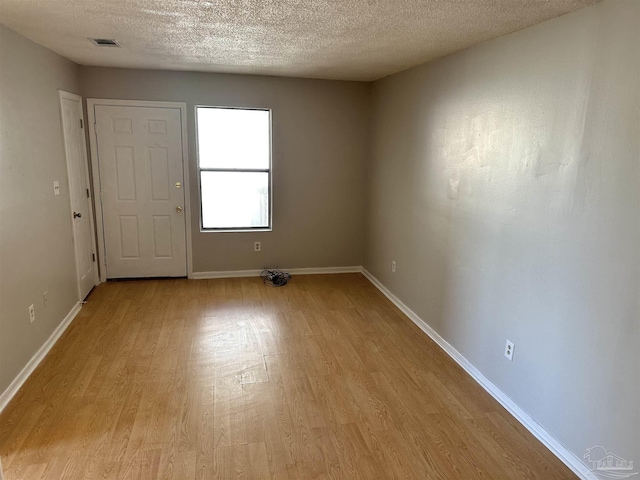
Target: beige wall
<point x="504" y="180"/>
<point x="36" y="249"/>
<point x="320" y="134"/>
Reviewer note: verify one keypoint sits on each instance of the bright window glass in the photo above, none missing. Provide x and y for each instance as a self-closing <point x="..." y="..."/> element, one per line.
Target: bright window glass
<point x="233" y="138"/>
<point x="235" y="199"/>
<point x="234" y="156"/>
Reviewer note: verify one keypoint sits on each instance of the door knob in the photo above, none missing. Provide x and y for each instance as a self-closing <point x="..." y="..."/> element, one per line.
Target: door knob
<point x="77" y="215"/>
<point x="179" y="209"/>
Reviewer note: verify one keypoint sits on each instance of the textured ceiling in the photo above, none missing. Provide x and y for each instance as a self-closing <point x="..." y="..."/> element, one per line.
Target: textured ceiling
<point x="336" y="39"/>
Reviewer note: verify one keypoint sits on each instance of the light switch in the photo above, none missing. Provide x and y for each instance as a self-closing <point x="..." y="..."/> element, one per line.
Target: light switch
<point x="56" y="187"/>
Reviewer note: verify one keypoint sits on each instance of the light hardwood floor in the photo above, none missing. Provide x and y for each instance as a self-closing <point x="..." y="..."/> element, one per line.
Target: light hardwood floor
<point x="223" y="379"/>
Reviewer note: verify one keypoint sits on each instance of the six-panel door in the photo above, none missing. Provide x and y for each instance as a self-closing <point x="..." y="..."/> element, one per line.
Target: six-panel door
<point x="141" y="188"/>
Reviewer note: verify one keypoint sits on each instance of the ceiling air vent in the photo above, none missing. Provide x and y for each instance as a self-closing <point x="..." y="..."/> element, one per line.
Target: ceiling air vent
<point x="105" y="42"/>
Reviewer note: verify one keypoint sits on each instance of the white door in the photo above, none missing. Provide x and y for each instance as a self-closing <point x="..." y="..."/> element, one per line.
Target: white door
<point x="80" y="196"/>
<point x="140" y="163"/>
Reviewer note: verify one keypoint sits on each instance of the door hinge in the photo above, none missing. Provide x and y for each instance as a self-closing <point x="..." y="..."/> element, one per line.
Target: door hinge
<point x="87" y="193"/>
<point x="81" y="124"/>
<point x="93" y="256"/>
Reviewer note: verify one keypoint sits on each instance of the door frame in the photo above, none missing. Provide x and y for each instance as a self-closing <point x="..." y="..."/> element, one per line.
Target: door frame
<point x="91" y="104"/>
<point x="72" y="96"/>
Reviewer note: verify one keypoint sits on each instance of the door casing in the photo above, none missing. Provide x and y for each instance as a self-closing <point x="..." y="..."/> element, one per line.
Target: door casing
<point x="91" y="104"/>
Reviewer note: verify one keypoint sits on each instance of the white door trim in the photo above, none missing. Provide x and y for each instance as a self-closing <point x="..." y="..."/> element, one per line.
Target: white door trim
<point x="72" y="96"/>
<point x="91" y="104"/>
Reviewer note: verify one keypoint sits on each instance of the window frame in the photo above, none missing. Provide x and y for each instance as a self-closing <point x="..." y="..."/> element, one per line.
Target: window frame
<point x="268" y="171"/>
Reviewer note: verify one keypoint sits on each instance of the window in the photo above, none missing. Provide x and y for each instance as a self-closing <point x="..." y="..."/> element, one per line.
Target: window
<point x="234" y="165"/>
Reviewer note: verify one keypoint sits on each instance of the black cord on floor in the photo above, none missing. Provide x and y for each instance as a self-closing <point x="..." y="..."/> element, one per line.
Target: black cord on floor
<point x="274" y="278"/>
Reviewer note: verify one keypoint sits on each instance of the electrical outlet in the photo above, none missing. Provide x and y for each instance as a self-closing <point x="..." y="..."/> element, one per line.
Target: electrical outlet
<point x="32" y="313"/>
<point x="257" y="246"/>
<point x="45" y="298"/>
<point x="56" y="187"/>
<point x="393" y="266"/>
<point x="508" y="350"/>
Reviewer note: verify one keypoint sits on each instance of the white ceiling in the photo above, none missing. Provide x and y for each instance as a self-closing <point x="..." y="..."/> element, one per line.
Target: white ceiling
<point x="336" y="39"/>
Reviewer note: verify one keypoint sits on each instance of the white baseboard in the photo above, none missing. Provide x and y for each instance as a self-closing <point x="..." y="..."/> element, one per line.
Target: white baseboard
<point x="566" y="456"/>
<point x="324" y="270"/>
<point x="292" y="271"/>
<point x="9" y="393"/>
<point x="227" y="274"/>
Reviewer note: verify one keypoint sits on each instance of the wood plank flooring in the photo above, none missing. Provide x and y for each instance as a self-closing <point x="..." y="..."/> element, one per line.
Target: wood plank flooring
<point x="230" y="379"/>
